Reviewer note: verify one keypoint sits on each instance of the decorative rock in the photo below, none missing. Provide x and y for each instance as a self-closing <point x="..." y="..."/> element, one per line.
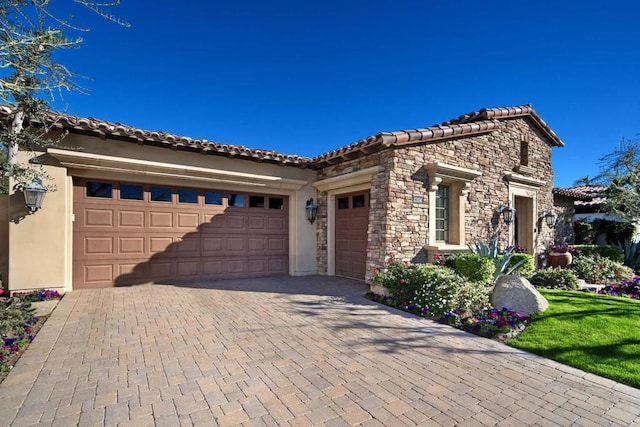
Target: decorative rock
<point x="517" y="294"/>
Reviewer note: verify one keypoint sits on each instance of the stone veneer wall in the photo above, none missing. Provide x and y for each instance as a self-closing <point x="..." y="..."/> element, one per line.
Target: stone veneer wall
<point x="378" y="207"/>
<point x="565" y="208"/>
<point x="399" y="220"/>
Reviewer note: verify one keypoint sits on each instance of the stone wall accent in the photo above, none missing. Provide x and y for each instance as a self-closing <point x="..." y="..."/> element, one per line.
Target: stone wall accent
<point x="399" y="194"/>
<point x="565" y="208"/>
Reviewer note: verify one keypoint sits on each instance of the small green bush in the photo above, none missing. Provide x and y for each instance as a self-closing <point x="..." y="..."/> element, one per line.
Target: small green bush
<point x="475" y="268"/>
<point x="594" y="268"/>
<point x="471" y="298"/>
<point x="559" y="278"/>
<point x="526" y="269"/>
<point x="624" y="273"/>
<point x="439" y="289"/>
<point x="614" y="254"/>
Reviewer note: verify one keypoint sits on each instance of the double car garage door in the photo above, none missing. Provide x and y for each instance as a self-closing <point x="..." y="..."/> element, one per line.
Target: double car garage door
<point x="127" y="233"/>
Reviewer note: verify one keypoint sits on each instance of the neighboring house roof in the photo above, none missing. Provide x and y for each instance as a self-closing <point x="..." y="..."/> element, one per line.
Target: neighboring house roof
<point x="475" y="123"/>
<point x="584" y="195"/>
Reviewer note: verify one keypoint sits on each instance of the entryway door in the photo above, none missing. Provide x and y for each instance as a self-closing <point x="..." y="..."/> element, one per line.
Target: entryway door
<point x="351" y="234"/>
<point x="524" y="223"/>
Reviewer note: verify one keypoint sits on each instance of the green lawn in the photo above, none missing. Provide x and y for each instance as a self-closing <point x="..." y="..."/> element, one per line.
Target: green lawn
<point x="595" y="333"/>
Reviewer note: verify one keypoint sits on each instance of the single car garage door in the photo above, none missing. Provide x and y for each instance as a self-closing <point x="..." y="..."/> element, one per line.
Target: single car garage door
<point x="352" y="223"/>
<point x="130" y="233"/>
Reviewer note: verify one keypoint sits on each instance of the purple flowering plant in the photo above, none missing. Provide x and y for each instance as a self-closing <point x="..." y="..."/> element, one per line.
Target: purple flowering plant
<point x="489" y="322"/>
<point x="628" y="288"/>
<point x="517" y="249"/>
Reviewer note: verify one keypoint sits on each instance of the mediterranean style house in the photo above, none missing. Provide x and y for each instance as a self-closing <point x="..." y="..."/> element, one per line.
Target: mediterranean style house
<point x="134" y="206"/>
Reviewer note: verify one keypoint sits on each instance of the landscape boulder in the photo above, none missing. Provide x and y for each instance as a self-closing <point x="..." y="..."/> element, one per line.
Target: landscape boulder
<point x="517" y="294"/>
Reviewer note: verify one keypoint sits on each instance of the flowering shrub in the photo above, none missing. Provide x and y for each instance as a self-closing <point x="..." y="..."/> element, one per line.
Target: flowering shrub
<point x="402" y="279"/>
<point x="561" y="248"/>
<point x="446" y="260"/>
<point x="594" y="269"/>
<point x="517" y="249"/>
<point x="629" y="288"/>
<point x="471" y="298"/>
<point x="438" y="291"/>
<point x="17" y="324"/>
<point x="489" y="322"/>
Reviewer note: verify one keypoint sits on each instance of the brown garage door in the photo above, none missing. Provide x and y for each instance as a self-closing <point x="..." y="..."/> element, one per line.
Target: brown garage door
<point x="127" y="233"/>
<point x="352" y="222"/>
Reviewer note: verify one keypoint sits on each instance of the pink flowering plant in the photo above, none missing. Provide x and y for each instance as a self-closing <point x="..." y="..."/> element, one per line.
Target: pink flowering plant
<point x="489" y="322"/>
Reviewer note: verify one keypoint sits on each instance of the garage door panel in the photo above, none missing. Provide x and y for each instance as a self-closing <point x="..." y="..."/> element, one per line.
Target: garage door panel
<point x="162" y="270"/>
<point x="235" y="222"/>
<point x="98" y="217"/>
<point x="98" y="273"/>
<point x="256" y="223"/>
<point x="277" y="224"/>
<point x="235" y="244"/>
<point x="131" y="219"/>
<point x="123" y="242"/>
<point x="186" y="269"/>
<point x="237" y="266"/>
<point x="258" y="266"/>
<point x="212" y="245"/>
<point x="189" y="245"/>
<point x="160" y="244"/>
<point x="256" y="244"/>
<point x="161" y="220"/>
<point x="188" y="220"/>
<point x="98" y="246"/>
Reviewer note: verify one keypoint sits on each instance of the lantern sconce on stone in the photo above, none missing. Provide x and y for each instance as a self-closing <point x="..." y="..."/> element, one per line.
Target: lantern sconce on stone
<point x="312" y="210"/>
<point x="507" y="212"/>
<point x="34" y="193"/>
<point x="550" y="218"/>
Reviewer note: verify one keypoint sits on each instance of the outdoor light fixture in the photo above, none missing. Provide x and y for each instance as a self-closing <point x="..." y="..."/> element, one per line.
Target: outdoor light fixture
<point x="507" y="212"/>
<point x="550" y="218"/>
<point x="34" y="194"/>
<point x="312" y="210"/>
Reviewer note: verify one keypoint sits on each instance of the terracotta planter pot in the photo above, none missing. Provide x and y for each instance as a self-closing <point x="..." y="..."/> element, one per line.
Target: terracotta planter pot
<point x="560" y="259"/>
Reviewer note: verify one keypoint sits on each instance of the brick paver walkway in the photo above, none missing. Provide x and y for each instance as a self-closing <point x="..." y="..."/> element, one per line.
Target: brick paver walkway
<point x="285" y="351"/>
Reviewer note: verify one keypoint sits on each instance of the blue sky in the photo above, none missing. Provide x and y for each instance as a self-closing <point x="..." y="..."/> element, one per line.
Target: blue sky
<point x="307" y="77"/>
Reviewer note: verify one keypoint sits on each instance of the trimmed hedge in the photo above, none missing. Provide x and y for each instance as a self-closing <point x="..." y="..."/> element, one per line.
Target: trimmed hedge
<point x="475" y="268"/>
<point x="558" y="278"/>
<point x="527" y="268"/>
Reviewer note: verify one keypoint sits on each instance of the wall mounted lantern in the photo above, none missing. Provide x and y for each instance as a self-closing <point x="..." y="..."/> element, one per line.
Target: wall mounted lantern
<point x="507" y="212"/>
<point x="34" y="194"/>
<point x="550" y="218"/>
<point x="312" y="210"/>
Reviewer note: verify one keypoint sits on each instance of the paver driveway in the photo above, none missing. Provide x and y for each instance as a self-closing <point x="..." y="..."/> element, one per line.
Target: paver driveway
<point x="285" y="351"/>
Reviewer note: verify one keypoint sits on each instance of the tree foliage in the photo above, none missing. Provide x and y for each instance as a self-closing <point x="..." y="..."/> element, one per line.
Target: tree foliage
<point x="30" y="75"/>
<point x="620" y="172"/>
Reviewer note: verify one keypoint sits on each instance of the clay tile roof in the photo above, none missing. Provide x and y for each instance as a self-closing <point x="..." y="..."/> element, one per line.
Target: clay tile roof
<point x="586" y="194"/>
<point x="89" y="125"/>
<point x="483" y="121"/>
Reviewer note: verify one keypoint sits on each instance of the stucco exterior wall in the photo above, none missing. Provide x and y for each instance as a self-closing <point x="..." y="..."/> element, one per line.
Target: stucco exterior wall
<point x="39" y="243"/>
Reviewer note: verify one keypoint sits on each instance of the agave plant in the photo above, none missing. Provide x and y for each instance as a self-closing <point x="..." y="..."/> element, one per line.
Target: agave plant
<point x="490" y="250"/>
<point x="631" y="251"/>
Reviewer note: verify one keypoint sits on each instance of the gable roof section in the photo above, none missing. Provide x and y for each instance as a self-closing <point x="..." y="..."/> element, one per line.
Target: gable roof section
<point x="104" y="129"/>
<point x="475" y="123"/>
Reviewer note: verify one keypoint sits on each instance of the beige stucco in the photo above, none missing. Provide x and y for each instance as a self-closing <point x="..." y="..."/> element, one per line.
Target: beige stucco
<point x="40" y="245"/>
